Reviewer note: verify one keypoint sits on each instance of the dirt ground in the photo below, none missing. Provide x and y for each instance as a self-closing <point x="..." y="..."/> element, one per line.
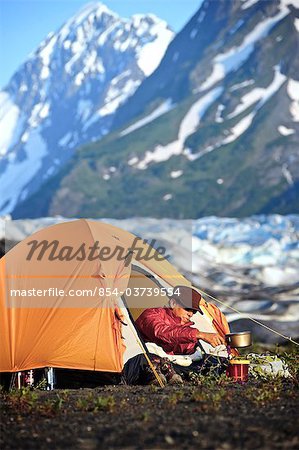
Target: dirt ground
<point x="214" y="416"/>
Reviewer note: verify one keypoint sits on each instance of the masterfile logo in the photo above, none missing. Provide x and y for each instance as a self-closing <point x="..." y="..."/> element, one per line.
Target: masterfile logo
<point x="52" y="250"/>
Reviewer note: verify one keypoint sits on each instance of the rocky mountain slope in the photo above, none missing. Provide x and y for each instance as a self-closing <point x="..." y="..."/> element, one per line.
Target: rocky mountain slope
<point x="67" y="92"/>
<point x="213" y="131"/>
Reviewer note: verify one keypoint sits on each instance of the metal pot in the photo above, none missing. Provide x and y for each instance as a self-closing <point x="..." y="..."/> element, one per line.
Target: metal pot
<point x="238" y="340"/>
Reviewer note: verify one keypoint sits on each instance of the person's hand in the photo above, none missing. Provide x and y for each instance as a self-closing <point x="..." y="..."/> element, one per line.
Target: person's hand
<point x="211" y="338"/>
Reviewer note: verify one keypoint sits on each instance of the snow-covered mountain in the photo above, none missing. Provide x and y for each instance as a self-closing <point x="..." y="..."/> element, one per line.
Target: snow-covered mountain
<point x="68" y="90"/>
<point x="213" y="131"/>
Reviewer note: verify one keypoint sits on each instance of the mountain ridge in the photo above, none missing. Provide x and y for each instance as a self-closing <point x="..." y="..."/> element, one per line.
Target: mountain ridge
<point x="67" y="91"/>
<point x="223" y="144"/>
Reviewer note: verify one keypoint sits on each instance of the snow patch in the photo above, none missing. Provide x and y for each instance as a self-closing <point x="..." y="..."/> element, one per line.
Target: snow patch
<point x="175" y="56"/>
<point x="237" y="86"/>
<point x="44" y="111"/>
<point x="115" y="97"/>
<point x="65" y="139"/>
<point x="92" y="63"/>
<point x="276" y="84"/>
<point x="84" y="13"/>
<point x="25" y="136"/>
<point x="176" y="173"/>
<point x="293" y="93"/>
<point x="193" y="33"/>
<point x="120" y="77"/>
<point x="237" y="130"/>
<point x="68" y="66"/>
<point x="133" y="161"/>
<point x="46" y="52"/>
<point x="150" y="55"/>
<point x="84" y="109"/>
<point x="236" y="26"/>
<point x="39" y="112"/>
<point x="218" y="117"/>
<point x="23" y="88"/>
<point x="67" y="44"/>
<point x="284" y="131"/>
<point x="104" y="36"/>
<point x="217" y="74"/>
<point x="188" y="126"/>
<point x="246" y="101"/>
<point x="79" y="78"/>
<point x="196" y="112"/>
<point x="19" y="174"/>
<point x="249" y="3"/>
<point x="45" y="72"/>
<point x="9" y="125"/>
<point x="159" y="111"/>
<point x="230" y="61"/>
<point x="290" y="2"/>
<point x="50" y="171"/>
<point x="287" y="174"/>
<point x="141" y="24"/>
<point x="92" y="9"/>
<point x="201" y="16"/>
<point x="261" y="95"/>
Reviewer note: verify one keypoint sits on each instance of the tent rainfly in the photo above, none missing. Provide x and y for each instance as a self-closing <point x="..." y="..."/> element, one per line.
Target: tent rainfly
<point x="70" y="293"/>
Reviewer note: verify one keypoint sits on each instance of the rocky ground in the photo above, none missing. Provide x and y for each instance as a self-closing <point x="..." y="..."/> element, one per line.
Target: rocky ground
<point x="210" y="414"/>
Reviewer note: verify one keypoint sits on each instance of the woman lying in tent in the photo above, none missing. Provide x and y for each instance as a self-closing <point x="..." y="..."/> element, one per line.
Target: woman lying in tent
<point x="185" y="338"/>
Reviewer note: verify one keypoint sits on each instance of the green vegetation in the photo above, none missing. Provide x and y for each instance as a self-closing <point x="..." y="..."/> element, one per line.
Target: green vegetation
<point x="208" y="394"/>
<point x="24" y="399"/>
<point x="96" y="403"/>
<point x="250" y="177"/>
<point x="174" y="398"/>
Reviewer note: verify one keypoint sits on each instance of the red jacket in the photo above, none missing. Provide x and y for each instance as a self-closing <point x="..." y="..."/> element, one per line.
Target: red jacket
<point x="163" y="327"/>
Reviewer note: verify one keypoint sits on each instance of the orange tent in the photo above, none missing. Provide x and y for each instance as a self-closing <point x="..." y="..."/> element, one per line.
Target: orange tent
<point x="65" y="293"/>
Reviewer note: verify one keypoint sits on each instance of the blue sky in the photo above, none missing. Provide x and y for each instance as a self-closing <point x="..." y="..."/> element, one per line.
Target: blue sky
<point x="25" y="23"/>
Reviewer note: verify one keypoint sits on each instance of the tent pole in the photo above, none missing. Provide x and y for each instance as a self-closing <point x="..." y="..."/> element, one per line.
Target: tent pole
<point x="19" y="380"/>
<point x="147" y="358"/>
<point x="12" y="380"/>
